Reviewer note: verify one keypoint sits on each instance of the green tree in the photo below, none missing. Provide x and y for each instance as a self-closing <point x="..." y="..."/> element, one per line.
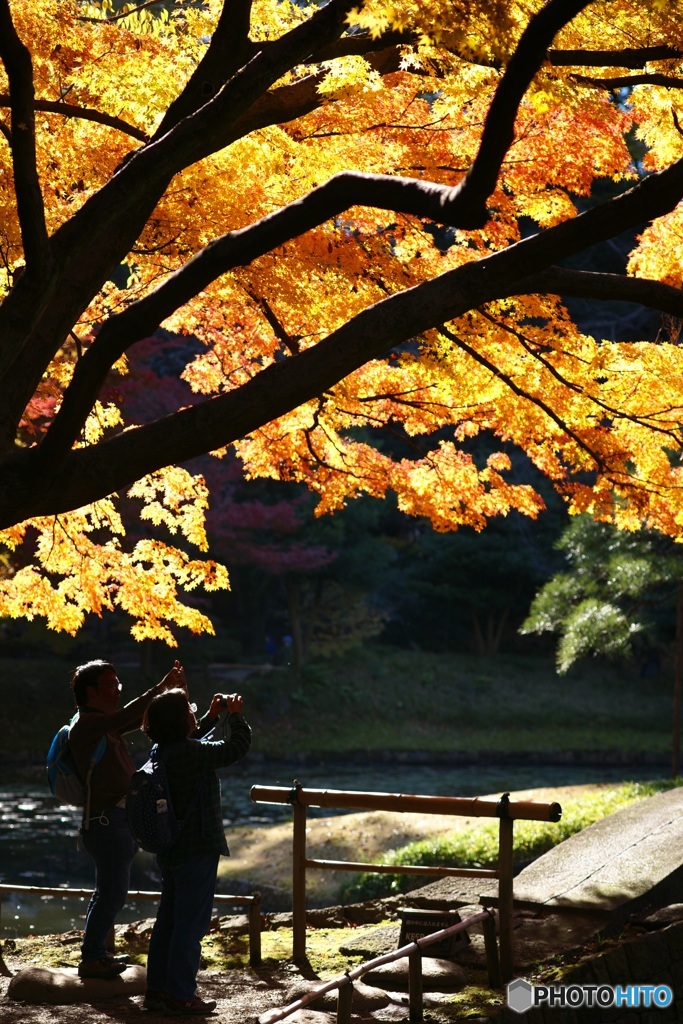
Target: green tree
<point x="617" y="598"/>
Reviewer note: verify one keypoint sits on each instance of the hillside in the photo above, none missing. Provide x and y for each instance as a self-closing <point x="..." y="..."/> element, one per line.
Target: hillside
<point x="385" y="699"/>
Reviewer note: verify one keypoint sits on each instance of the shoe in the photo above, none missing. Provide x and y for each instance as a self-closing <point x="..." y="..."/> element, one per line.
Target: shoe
<point x="182" y="1007"/>
<point x="105" y="967"/>
<point x="154" y="1000"/>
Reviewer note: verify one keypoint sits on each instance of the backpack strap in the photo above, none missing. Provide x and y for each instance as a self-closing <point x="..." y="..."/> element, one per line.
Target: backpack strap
<point x="95" y="758"/>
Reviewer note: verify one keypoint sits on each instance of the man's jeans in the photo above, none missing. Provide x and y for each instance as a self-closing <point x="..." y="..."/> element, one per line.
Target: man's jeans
<point x="109" y="842"/>
<point x="183" y="919"/>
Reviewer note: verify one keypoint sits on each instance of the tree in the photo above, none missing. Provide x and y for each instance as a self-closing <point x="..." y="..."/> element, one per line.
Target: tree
<point x="611" y="599"/>
<point x="329" y="199"/>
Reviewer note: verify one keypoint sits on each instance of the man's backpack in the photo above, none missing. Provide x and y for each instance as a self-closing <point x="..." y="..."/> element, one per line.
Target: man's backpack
<point x="62" y="775"/>
<point x="151" y="817"/>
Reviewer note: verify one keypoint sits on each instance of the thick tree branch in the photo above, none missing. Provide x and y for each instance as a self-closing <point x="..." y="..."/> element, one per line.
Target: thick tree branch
<point x="19" y="68"/>
<point x="88" y="246"/>
<point x="230" y="48"/>
<point x="518" y="269"/>
<point x="586" y="284"/>
<point x="498" y="132"/>
<point x="651" y="197"/>
<point x="91" y="244"/>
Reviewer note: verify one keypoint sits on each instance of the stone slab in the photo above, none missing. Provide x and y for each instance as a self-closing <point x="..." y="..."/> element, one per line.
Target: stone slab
<point x="62" y="986"/>
<point x="372" y="943"/>
<point x="613" y="865"/>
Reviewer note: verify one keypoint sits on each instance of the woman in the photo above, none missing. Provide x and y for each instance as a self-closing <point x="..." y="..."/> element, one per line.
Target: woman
<point x="189" y="868"/>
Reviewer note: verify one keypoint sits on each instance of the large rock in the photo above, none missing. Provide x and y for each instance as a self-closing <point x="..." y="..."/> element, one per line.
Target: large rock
<point x="437" y="975"/>
<point x="303" y="1017"/>
<point x="365" y="997"/>
<point x="57" y="986"/>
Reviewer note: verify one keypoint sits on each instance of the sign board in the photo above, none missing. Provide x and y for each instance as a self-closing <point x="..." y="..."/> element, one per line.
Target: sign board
<point x="415" y="924"/>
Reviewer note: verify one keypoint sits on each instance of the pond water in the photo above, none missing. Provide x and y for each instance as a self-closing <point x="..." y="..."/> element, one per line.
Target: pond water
<point x="39" y="838"/>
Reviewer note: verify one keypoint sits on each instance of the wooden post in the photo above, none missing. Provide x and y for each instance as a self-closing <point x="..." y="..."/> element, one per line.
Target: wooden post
<point x="298" y="879"/>
<point x="505" y="889"/>
<point x="255" y="930"/>
<point x="344" y="1000"/>
<point x="415" y="986"/>
<point x="491" y="947"/>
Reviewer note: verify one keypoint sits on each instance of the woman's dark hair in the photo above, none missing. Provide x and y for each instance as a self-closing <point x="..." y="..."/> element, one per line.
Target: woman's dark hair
<point x="85" y="676"/>
<point x="166" y="718"/>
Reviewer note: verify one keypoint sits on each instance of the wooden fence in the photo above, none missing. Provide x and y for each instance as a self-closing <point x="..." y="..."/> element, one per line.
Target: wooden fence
<point x="253" y="902"/>
<point x="506" y="810"/>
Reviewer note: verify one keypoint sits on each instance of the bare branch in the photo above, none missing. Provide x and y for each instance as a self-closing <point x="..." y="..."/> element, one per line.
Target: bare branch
<point x="85" y="114"/>
<point x="629" y="57"/>
<point x="17" y="60"/>
<point x="627" y="81"/>
<point x="123" y="14"/>
<point x="521" y="393"/>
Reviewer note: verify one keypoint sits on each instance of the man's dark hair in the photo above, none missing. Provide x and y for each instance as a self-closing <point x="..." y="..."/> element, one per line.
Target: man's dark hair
<point x="85" y="676"/>
<point x="166" y="719"/>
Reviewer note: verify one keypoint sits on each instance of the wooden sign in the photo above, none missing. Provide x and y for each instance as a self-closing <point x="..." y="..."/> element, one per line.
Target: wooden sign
<point x="415" y="924"/>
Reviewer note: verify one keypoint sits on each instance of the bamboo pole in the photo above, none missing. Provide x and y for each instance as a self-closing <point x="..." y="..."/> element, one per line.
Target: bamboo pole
<point x="253" y="901"/>
<point x="415" y="986"/>
<point x="144" y="894"/>
<point x="275" y="1015"/>
<point x="399" y="869"/>
<point x="299" y="882"/>
<point x="491" y="947"/>
<point x="505" y="870"/>
<point x="344" y="1001"/>
<point x="255" y="930"/>
<point x="475" y="807"/>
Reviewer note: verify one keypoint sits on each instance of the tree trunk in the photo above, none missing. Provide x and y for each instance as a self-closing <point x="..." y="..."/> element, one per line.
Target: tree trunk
<point x="294" y="601"/>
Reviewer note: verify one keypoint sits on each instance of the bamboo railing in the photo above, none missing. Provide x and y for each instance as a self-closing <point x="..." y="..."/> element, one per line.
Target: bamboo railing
<point x="506" y="810"/>
<point x="253" y="902"/>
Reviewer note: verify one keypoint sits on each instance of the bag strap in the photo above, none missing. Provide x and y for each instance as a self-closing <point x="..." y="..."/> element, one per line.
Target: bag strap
<point x="95" y="757"/>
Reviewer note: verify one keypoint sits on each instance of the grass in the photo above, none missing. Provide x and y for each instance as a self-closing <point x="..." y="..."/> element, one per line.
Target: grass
<point x="380" y="698"/>
<point x="478" y="848"/>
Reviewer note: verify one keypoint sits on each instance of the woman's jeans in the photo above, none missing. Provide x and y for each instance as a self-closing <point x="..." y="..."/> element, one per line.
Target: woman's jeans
<point x="109" y="842"/>
<point x="183" y="919"/>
